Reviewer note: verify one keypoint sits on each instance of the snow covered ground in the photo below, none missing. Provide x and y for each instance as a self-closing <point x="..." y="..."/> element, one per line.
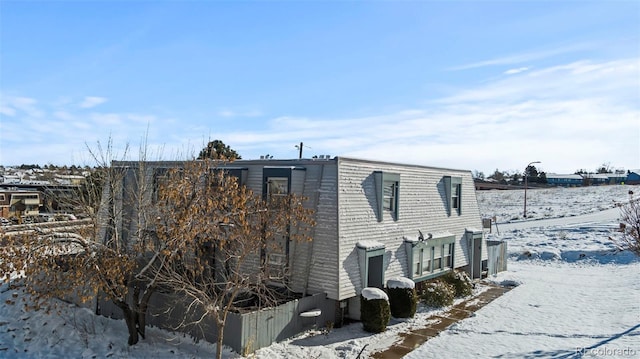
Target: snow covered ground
<point x="577" y="297"/>
<point x="508" y="206"/>
<point x="561" y="310"/>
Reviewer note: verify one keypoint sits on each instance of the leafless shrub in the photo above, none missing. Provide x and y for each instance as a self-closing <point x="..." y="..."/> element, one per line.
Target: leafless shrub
<point x="629" y="226"/>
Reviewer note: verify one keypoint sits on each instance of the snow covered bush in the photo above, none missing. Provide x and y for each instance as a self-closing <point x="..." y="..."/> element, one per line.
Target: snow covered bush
<point x="437" y="294"/>
<point x="374" y="310"/>
<point x="402" y="297"/>
<point x="462" y="284"/>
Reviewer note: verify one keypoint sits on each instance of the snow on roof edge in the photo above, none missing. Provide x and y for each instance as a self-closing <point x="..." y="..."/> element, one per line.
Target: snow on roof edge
<point x="368" y="244"/>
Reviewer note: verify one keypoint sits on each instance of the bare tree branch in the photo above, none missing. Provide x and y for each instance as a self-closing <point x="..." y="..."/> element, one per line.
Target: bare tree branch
<point x="629" y="225"/>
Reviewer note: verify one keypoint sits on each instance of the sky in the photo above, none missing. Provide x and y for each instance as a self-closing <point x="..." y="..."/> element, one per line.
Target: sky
<point x="471" y="85"/>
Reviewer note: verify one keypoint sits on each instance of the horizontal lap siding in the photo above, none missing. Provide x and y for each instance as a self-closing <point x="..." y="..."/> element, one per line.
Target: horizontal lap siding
<point x="422" y="206"/>
<point x="323" y="274"/>
<point x="343" y="194"/>
<point x="254" y="183"/>
<point x="303" y="183"/>
<point x="319" y="186"/>
<point x="471" y="209"/>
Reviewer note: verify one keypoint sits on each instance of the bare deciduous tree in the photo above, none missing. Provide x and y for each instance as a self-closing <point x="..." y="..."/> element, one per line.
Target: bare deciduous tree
<point x="196" y="232"/>
<point x="92" y="257"/>
<point x="217" y="239"/>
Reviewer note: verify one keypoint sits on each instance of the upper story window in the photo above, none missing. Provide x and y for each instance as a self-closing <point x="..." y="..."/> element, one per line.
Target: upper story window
<point x="278" y="183"/>
<point x="160" y="178"/>
<point x="390" y="195"/>
<point x="453" y="191"/>
<point x="455" y="196"/>
<point x="387" y="191"/>
<point x="277" y="186"/>
<point x="281" y="181"/>
<point x="240" y="174"/>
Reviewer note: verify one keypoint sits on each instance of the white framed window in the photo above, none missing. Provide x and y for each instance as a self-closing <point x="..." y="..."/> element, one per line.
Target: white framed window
<point x="455" y="196"/>
<point x="447" y="255"/>
<point x="437" y="257"/>
<point x="418" y="257"/>
<point x="453" y="193"/>
<point x="426" y="262"/>
<point x="277" y="186"/>
<point x="430" y="258"/>
<point x="387" y="194"/>
<point x="276" y="266"/>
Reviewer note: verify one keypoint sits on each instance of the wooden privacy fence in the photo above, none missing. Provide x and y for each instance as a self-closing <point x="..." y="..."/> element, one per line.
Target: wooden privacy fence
<point x="496" y="257"/>
<point x="258" y="329"/>
<point x="244" y="332"/>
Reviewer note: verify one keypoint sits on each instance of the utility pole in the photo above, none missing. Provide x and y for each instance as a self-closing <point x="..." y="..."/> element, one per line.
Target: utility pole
<point x="299" y="147"/>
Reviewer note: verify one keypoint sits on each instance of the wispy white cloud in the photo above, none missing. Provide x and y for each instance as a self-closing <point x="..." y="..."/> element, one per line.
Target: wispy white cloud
<point x="7" y="111"/>
<point x="582" y="113"/>
<point x="14" y="105"/>
<point x="524" y="57"/>
<point x="63" y="115"/>
<point x="141" y="118"/>
<point x="574" y="115"/>
<point x="580" y="79"/>
<point x="92" y="101"/>
<point x="231" y="113"/>
<point x="516" y="71"/>
<point x="107" y="119"/>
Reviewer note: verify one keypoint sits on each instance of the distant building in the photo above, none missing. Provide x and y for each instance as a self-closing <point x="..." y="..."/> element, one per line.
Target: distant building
<point x="599" y="178"/>
<point x="74" y="180"/>
<point x="11" y="178"/>
<point x="564" y="180"/>
<point x="18" y="203"/>
<point x="587" y="179"/>
<point x="617" y="178"/>
<point x="633" y="176"/>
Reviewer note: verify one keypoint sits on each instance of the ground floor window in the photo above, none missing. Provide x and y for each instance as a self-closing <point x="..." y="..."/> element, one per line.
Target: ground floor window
<point x="447" y="255"/>
<point x="428" y="258"/>
<point x="418" y="263"/>
<point x="277" y="258"/>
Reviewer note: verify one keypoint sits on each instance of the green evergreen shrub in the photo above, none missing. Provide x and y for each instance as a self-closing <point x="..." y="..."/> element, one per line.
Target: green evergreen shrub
<point x="374" y="310"/>
<point x="403" y="299"/>
<point x="461" y="283"/>
<point x="437" y="294"/>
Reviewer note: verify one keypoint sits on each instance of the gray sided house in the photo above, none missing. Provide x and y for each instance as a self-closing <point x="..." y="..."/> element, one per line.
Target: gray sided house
<point x="375" y="220"/>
